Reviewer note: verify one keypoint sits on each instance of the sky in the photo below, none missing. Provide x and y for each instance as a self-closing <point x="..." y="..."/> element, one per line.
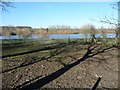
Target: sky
<point x="45" y="14"/>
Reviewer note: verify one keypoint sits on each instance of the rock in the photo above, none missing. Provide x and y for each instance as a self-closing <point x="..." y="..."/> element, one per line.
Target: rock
<point x="84" y="74"/>
<point x="26" y="80"/>
<point x="79" y="77"/>
<point x="96" y="75"/>
<point x="17" y="76"/>
<point x="43" y="66"/>
<point x="9" y="72"/>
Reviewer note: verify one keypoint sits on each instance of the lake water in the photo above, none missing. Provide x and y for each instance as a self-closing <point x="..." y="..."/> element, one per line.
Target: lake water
<point x="57" y="36"/>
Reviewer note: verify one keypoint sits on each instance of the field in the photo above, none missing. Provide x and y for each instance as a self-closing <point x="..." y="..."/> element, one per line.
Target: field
<point x="60" y="64"/>
<point x="59" y="45"/>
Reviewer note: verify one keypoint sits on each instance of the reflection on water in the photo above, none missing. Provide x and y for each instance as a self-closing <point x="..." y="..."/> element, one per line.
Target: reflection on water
<point x="56" y="36"/>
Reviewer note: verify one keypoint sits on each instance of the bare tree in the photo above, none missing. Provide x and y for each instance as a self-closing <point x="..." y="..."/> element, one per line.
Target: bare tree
<point x="93" y="34"/>
<point x="103" y="33"/>
<point x="114" y="21"/>
<point x="86" y="31"/>
<point x="4" y="4"/>
<point x="89" y="29"/>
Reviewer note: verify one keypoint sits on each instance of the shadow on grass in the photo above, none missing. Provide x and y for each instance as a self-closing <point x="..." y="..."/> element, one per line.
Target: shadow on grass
<point x="59" y="45"/>
<point x="43" y="58"/>
<point x="45" y="80"/>
<point x="33" y="61"/>
<point x="28" y="52"/>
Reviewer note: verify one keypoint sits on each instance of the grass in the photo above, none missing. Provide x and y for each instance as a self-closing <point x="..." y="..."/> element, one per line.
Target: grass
<point x="45" y="62"/>
<point x="55" y="54"/>
<point x="18" y="46"/>
<point x="14" y="48"/>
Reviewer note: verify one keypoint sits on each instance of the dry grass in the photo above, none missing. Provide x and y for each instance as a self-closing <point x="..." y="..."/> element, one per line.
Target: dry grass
<point x="23" y="32"/>
<point x="26" y="31"/>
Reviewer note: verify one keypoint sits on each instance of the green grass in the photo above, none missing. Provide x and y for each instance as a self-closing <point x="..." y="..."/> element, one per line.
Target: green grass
<point x="18" y="46"/>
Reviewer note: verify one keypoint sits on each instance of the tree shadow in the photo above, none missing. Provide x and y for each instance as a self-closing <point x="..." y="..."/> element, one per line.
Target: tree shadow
<point x="45" y="80"/>
<point x="38" y="60"/>
<point x="28" y="52"/>
<point x="59" y="45"/>
<point x="15" y="45"/>
<point x="34" y="61"/>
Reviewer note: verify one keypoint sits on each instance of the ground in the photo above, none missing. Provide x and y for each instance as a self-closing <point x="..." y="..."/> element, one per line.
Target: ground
<point x="33" y="68"/>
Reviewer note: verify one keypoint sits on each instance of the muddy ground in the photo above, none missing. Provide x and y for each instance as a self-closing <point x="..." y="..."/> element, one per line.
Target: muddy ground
<point x="57" y="68"/>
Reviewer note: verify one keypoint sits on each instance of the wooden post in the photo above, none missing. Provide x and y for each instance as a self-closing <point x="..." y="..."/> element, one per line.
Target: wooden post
<point x="96" y="84"/>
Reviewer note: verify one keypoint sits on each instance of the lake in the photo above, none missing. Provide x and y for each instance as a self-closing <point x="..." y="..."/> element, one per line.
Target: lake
<point x="57" y="36"/>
